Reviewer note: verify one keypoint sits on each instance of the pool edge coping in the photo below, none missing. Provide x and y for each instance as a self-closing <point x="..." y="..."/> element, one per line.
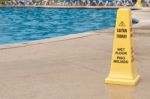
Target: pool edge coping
<point x="86" y="7"/>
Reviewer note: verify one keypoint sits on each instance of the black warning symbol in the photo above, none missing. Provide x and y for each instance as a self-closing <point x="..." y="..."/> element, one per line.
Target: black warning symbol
<point x="122" y="24"/>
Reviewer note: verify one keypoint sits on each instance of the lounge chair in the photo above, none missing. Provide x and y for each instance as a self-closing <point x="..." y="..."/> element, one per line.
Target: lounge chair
<point x="129" y="3"/>
<point x="119" y="3"/>
<point x="106" y="3"/>
<point x="67" y="2"/>
<point x="147" y="3"/>
<point x="99" y="3"/>
<point x="84" y="2"/>
<point x="92" y="3"/>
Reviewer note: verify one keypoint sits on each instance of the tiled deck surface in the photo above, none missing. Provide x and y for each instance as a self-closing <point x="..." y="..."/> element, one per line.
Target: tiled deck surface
<point x="74" y="68"/>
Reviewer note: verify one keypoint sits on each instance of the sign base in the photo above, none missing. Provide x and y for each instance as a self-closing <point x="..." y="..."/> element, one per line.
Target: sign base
<point x="118" y="81"/>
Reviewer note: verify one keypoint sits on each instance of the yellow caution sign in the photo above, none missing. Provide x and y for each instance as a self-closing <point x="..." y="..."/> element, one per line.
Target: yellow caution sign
<point x="139" y="3"/>
<point x="122" y="70"/>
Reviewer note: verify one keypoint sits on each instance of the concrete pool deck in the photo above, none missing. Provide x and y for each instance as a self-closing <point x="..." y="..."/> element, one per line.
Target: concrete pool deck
<point x="73" y="67"/>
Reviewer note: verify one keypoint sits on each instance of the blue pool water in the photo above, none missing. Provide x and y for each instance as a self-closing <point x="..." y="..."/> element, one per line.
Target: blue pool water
<point x="26" y="24"/>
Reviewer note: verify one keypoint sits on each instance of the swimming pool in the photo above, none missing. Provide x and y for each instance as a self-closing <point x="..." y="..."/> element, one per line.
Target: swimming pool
<point x="27" y="24"/>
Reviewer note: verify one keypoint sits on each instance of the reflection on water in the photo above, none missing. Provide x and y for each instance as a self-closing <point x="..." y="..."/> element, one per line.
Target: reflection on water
<point x="121" y="92"/>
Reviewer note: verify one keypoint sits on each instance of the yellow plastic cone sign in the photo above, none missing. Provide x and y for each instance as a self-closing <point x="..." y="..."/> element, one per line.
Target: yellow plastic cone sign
<point x="139" y="3"/>
<point x="123" y="71"/>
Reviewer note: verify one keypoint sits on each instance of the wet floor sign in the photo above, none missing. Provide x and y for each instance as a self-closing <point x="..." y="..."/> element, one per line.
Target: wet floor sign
<point x="139" y="3"/>
<point x="123" y="70"/>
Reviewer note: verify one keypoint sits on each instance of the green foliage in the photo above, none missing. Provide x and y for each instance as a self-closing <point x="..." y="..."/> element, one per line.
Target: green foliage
<point x="2" y="1"/>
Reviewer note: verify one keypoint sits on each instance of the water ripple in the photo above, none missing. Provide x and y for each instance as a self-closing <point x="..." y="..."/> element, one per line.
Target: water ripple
<point x="25" y="24"/>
